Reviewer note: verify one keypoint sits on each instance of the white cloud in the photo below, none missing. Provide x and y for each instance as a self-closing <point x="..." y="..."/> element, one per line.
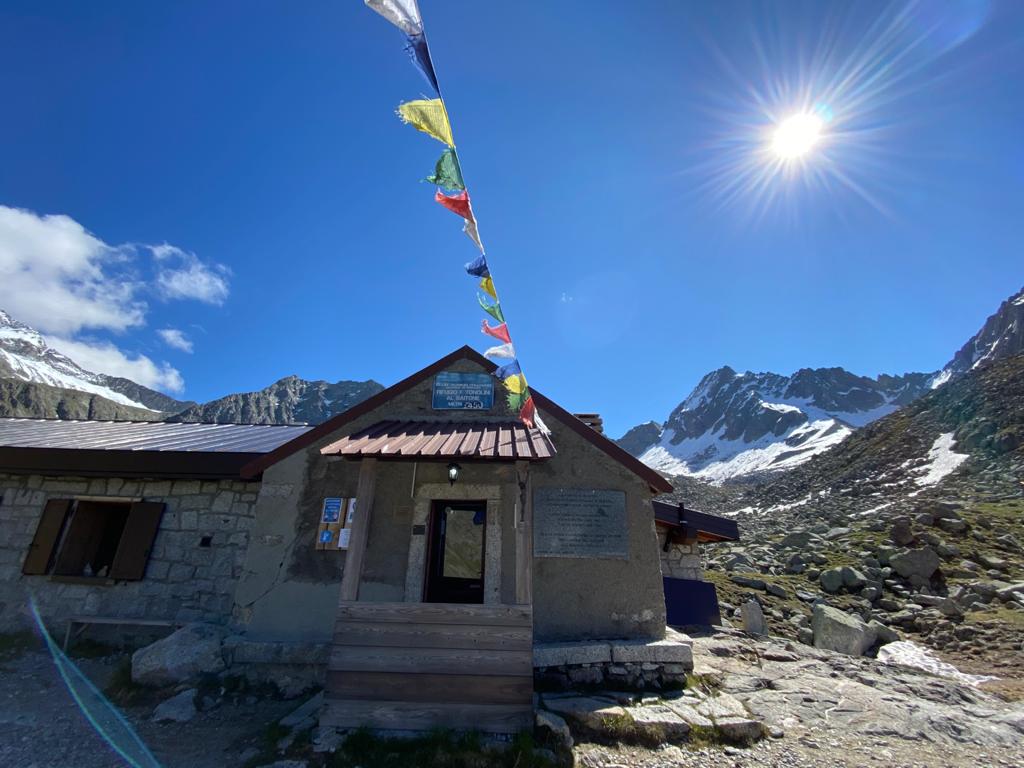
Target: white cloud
<point x="59" y="278"/>
<point x="174" y="338"/>
<point x="189" y="278"/>
<point x="104" y="357"/>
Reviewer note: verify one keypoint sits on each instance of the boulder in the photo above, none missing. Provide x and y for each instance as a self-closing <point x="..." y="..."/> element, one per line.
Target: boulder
<point x="952" y="525"/>
<point x="797" y="540"/>
<point x="831" y="580"/>
<point x="660" y="718"/>
<point x="795" y="564"/>
<point x="852" y="578"/>
<point x="909" y="563"/>
<point x="179" y="709"/>
<point x="555" y="726"/>
<point x="753" y="618"/>
<point x="193" y="650"/>
<point x="585" y="711"/>
<point x="902" y="532"/>
<point x="840" y="632"/>
<point x="883" y="633"/>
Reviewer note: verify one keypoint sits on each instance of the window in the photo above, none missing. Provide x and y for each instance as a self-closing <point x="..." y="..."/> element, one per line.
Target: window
<point x="94" y="538"/>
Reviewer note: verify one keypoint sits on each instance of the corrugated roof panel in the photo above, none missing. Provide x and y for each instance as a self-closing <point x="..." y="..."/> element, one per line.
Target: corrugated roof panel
<point x="145" y="435"/>
<point x="472" y="439"/>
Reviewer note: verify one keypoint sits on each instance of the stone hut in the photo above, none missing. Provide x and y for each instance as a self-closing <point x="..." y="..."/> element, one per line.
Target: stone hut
<point x="428" y="541"/>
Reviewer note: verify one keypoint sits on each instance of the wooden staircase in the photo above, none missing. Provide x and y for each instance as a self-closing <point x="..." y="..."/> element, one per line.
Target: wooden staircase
<point x="421" y="666"/>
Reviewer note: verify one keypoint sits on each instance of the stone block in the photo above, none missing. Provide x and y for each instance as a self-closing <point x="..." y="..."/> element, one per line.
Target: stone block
<point x="560" y="654"/>
<point x="656" y="651"/>
<point x="659" y="717"/>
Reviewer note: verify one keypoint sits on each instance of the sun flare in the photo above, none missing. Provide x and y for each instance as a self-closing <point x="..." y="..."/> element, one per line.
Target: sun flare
<point x="797" y="135"/>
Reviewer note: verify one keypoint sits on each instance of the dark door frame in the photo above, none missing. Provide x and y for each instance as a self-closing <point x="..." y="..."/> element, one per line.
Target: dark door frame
<point x="436" y="587"/>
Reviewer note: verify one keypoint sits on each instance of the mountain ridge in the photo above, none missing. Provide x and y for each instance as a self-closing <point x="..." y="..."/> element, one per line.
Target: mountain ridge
<point x="742" y="425"/>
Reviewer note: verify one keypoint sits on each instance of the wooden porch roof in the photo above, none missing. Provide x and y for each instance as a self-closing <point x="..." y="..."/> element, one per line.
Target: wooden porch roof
<point x="503" y="441"/>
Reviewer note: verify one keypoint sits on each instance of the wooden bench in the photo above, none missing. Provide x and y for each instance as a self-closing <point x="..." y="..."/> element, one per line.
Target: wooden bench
<point x="83" y="621"/>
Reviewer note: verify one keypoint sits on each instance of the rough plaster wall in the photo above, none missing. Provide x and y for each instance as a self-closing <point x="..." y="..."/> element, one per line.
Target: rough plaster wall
<point x="597" y="598"/>
<point x="289" y="590"/>
<point x="183" y="581"/>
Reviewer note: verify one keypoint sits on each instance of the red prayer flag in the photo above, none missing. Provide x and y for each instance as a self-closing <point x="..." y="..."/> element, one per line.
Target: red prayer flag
<point x="455" y="203"/>
<point x="528" y="412"/>
<point x="498" y="331"/>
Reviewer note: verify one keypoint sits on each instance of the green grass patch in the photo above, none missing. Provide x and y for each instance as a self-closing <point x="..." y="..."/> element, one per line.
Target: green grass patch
<point x="439" y="749"/>
<point x="999" y="614"/>
<point x="267" y="745"/>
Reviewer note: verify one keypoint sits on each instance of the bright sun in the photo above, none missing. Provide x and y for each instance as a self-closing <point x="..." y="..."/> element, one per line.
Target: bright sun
<point x="796" y="135"/>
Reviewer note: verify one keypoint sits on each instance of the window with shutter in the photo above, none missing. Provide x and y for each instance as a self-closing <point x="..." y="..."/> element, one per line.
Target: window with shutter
<point x="137" y="541"/>
<point x="40" y="551"/>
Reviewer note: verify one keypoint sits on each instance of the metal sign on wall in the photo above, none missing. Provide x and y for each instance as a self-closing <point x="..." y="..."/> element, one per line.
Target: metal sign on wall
<point x="463" y="391"/>
<point x="580" y="522"/>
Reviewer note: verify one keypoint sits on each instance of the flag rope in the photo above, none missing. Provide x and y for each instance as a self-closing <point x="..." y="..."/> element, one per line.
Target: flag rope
<point x="431" y="116"/>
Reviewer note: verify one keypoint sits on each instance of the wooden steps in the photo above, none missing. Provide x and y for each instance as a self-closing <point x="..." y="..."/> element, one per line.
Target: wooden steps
<point x="420" y="666"/>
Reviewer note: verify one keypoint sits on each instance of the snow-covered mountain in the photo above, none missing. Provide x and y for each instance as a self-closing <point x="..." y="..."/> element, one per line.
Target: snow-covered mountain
<point x="736" y="424"/>
<point x="1001" y="336"/>
<point x="25" y="356"/>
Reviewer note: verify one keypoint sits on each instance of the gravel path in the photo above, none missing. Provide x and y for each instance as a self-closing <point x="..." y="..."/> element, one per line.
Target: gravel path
<point x="41" y="726"/>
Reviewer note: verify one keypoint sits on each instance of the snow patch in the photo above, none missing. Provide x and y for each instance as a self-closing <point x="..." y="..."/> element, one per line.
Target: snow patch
<point x="1019" y="301"/>
<point x="942" y="460"/>
<point x="941" y="378"/>
<point x="904" y="653"/>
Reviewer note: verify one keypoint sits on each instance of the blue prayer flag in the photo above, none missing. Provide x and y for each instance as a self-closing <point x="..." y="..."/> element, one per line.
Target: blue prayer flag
<point x="416" y="47"/>
<point x="478" y="267"/>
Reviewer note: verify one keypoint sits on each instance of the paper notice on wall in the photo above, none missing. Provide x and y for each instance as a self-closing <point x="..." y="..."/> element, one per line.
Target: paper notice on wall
<point x="344" y="536"/>
<point x="351" y="512"/>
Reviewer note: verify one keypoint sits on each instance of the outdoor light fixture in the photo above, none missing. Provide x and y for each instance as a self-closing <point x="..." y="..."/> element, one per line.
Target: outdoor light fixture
<point x="453" y="473"/>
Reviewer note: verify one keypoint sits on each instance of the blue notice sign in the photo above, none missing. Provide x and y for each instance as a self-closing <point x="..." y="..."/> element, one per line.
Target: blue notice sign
<point x="332" y="510"/>
<point x="463" y="391"/>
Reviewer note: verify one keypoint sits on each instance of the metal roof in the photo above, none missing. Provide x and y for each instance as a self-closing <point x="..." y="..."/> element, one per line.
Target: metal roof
<point x="145" y="435"/>
<point x="463" y="439"/>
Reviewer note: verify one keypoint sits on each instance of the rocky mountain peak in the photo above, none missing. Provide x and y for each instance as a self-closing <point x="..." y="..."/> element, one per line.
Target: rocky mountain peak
<point x="1001" y="336"/>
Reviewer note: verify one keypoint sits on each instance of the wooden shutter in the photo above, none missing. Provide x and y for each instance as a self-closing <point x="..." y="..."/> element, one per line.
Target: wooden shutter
<point x="47" y="534"/>
<point x="81" y="541"/>
<point x="137" y="541"/>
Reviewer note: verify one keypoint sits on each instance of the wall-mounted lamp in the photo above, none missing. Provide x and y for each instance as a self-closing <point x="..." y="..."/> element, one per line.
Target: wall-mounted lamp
<point x="453" y="473"/>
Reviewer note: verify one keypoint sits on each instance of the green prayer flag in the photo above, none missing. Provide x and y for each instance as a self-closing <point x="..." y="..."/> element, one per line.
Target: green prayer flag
<point x="494" y="310"/>
<point x="447" y="173"/>
<point x="516" y="399"/>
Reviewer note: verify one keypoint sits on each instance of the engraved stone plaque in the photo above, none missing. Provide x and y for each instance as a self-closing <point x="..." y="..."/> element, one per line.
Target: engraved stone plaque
<point x="580" y="522"/>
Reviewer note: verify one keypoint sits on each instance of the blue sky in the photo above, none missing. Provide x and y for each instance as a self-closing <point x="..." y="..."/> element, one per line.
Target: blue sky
<point x="609" y="149"/>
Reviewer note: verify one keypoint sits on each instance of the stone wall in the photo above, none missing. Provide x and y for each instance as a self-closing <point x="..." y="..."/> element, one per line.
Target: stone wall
<point x="681" y="561"/>
<point x="620" y="665"/>
<point x="196" y="560"/>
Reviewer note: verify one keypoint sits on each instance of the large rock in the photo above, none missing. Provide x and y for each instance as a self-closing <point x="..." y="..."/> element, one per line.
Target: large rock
<point x="753" y="618"/>
<point x="586" y="712"/>
<point x="902" y="532"/>
<point x="184" y="655"/>
<point x="556" y="727"/>
<point x="909" y="563"/>
<point x="831" y="580"/>
<point x="840" y="632"/>
<point x="179" y="709"/>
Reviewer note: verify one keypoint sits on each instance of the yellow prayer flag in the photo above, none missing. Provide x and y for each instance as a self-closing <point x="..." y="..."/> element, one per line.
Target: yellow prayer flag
<point x="516" y="384"/>
<point x="429" y="116"/>
<point x="487" y="285"/>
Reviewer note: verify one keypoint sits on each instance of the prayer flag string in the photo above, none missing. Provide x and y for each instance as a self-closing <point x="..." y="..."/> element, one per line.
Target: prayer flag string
<point x="431" y="117"/>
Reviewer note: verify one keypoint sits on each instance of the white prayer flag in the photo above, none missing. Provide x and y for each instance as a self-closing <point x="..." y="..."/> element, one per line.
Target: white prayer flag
<point x="404" y="14"/>
<point x="502" y="350"/>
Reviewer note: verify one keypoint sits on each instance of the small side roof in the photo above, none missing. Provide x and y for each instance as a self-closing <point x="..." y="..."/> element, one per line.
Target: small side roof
<point x="654" y="480"/>
<point x="701" y="525"/>
<point x="486" y="441"/>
